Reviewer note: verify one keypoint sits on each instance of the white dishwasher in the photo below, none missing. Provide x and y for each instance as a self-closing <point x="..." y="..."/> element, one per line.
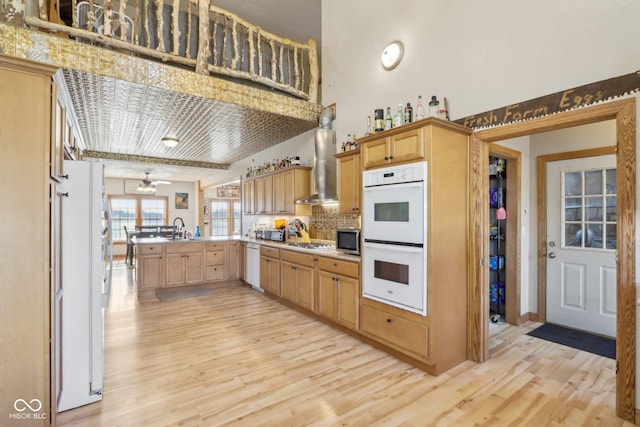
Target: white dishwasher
<point x="252" y="266"/>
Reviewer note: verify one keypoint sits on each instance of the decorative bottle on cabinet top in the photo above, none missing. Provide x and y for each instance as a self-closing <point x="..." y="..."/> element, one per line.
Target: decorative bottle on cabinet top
<point x="419" y="109"/>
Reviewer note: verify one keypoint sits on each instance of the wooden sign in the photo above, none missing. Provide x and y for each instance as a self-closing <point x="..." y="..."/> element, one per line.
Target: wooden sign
<point x="569" y="99"/>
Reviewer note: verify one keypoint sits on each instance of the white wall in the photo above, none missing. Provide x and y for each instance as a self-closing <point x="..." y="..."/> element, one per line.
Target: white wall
<point x="480" y="55"/>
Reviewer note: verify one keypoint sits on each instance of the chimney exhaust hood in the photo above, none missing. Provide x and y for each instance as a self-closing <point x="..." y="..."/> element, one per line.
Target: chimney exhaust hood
<point x="323" y="185"/>
<point x="324" y="170"/>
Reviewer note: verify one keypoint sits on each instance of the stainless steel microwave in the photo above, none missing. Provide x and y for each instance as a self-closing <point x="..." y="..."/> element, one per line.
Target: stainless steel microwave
<point x="348" y="240"/>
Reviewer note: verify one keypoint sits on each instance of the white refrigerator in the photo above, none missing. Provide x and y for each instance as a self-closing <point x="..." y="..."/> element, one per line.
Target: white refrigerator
<point x="86" y="282"/>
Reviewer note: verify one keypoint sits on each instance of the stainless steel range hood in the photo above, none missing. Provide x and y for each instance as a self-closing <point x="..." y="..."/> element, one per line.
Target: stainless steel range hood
<point x="324" y="165"/>
<point x="324" y="170"/>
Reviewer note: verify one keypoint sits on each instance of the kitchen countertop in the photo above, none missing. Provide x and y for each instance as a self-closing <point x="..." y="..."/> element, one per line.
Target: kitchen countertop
<point x="163" y="240"/>
<point x="332" y="253"/>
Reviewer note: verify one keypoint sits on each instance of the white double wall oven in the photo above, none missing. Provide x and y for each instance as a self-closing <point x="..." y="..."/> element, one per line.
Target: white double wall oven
<point x="394" y="224"/>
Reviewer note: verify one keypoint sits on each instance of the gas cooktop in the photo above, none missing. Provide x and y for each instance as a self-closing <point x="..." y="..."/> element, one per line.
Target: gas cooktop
<point x="319" y="246"/>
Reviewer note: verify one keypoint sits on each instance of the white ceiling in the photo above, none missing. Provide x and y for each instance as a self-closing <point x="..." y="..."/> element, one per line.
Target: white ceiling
<point x="135" y="126"/>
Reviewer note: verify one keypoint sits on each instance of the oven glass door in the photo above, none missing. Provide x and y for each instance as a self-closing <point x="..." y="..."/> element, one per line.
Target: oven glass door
<point x="395" y="213"/>
<point x="395" y="275"/>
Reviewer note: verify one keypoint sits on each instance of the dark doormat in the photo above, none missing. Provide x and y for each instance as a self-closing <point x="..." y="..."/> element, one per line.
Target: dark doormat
<point x="577" y="339"/>
<point x="166" y="295"/>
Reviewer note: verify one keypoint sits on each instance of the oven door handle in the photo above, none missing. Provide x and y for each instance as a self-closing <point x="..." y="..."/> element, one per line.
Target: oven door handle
<point x="394" y="186"/>
<point x="393" y="246"/>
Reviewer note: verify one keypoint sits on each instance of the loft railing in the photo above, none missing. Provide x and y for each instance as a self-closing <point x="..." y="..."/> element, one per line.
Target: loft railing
<point x="173" y="31"/>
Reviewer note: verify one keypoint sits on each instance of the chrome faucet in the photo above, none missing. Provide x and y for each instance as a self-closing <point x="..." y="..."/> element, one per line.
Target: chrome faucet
<point x="174" y="232"/>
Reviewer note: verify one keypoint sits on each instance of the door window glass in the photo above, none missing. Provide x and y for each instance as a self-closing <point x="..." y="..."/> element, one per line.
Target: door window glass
<point x="589" y="209"/>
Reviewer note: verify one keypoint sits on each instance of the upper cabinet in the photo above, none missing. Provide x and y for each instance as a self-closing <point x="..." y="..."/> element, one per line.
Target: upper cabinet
<point x="248" y="199"/>
<point x="349" y="181"/>
<point x="276" y="192"/>
<point x="264" y="195"/>
<point x="399" y="145"/>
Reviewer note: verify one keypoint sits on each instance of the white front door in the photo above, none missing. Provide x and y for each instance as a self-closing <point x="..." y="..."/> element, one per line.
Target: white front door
<point x="581" y="244"/>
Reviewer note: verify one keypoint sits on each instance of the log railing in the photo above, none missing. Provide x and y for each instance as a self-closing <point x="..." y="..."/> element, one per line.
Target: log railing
<point x="172" y="31"/>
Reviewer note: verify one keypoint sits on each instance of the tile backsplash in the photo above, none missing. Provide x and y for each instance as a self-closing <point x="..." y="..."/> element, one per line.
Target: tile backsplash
<point x="324" y="221"/>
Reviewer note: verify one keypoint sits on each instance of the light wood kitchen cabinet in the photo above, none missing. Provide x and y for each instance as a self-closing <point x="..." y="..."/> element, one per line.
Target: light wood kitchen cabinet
<point x="184" y="263"/>
<point x="243" y="259"/>
<point x="387" y="148"/>
<point x="248" y="196"/>
<point x="438" y="340"/>
<point x="27" y="309"/>
<point x="264" y="195"/>
<point x="151" y="266"/>
<point x="277" y="192"/>
<point x="288" y="186"/>
<point x="297" y="278"/>
<point x="233" y="262"/>
<point x="215" y="261"/>
<point x="349" y="182"/>
<point x="270" y="270"/>
<point x="339" y="291"/>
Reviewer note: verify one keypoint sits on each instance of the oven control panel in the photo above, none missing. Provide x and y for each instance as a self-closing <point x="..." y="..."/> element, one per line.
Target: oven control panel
<point x="395" y="174"/>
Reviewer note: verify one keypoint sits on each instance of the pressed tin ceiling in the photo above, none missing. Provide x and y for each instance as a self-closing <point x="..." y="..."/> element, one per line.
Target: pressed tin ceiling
<point x="124" y="122"/>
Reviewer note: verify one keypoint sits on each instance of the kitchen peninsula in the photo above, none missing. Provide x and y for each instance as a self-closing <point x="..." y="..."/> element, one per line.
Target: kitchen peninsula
<point x="165" y="263"/>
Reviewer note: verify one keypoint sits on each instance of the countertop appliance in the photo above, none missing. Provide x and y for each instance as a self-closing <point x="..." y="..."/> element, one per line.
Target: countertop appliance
<point x="86" y="275"/>
<point x="348" y="240"/>
<point x="252" y="266"/>
<point x="271" y="235"/>
<point x="394" y="218"/>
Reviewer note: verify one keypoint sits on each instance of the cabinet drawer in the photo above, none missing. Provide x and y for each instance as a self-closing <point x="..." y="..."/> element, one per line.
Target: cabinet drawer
<point x="215" y="272"/>
<point x="338" y="266"/>
<point x="175" y="248"/>
<point x="215" y="246"/>
<point x="269" y="252"/>
<point x="150" y="249"/>
<point x="401" y="332"/>
<point x="297" y="258"/>
<point x="215" y="257"/>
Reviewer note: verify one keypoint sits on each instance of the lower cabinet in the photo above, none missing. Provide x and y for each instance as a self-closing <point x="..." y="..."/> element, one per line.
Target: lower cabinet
<point x="338" y="291"/>
<point x="233" y="265"/>
<point x="297" y="281"/>
<point x="411" y="337"/>
<point x="215" y="262"/>
<point x="184" y="263"/>
<point x="150" y="266"/>
<point x="270" y="270"/>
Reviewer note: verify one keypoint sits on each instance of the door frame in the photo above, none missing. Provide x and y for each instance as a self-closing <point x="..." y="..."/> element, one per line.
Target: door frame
<point x="512" y="242"/>
<point x="624" y="113"/>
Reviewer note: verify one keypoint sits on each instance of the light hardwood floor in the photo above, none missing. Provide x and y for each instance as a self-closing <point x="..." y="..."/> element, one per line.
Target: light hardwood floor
<point x="239" y="358"/>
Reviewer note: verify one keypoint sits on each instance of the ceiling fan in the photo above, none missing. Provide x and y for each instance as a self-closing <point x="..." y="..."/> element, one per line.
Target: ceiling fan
<point x="149" y="186"/>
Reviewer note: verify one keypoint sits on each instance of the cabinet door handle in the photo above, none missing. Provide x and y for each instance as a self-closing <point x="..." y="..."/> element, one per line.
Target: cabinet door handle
<point x="386" y="157"/>
<point x="64" y="176"/>
<point x="388" y="320"/>
<point x="335" y="264"/>
<point x="62" y="194"/>
<point x="390" y="157"/>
